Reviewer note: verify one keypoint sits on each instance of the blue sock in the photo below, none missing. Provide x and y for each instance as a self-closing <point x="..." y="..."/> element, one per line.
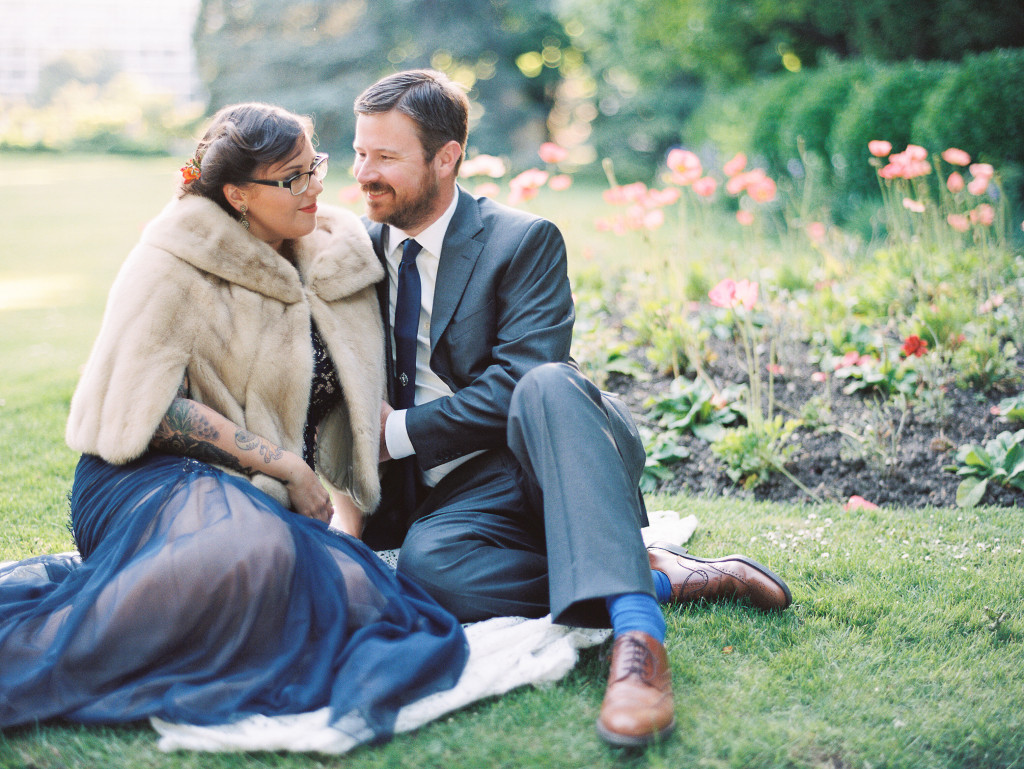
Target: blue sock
<point x="662" y="586"/>
<point x="636" y="611"/>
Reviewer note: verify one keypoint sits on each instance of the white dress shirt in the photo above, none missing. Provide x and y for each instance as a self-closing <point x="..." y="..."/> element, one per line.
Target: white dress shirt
<point x="428" y="384"/>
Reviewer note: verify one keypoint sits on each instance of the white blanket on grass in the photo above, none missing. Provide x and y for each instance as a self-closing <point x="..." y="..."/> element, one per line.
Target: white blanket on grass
<point x="504" y="653"/>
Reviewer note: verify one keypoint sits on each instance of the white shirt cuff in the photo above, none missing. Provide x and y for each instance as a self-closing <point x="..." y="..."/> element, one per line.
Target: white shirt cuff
<point x="396" y="437"/>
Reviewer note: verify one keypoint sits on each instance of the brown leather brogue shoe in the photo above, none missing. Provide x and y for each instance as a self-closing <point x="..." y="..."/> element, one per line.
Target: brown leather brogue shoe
<point x="732" y="578"/>
<point x="638" y="708"/>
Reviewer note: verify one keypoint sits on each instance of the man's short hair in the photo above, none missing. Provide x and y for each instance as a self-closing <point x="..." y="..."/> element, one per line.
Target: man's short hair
<point x="438" y="106"/>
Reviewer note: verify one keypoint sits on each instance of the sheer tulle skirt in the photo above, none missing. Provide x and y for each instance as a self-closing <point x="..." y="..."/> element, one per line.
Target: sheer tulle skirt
<point x="200" y="599"/>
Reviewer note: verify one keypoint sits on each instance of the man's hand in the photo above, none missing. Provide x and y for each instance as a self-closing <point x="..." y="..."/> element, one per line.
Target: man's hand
<point x="385" y="410"/>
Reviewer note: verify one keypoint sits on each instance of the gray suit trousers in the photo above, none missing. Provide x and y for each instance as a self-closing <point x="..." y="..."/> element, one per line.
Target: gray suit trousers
<point x="549" y="524"/>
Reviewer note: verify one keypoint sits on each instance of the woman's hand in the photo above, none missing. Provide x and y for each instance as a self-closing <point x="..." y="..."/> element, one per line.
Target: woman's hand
<point x="308" y="496"/>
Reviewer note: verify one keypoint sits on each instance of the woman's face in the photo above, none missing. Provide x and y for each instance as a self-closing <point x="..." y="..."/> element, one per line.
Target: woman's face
<point x="274" y="214"/>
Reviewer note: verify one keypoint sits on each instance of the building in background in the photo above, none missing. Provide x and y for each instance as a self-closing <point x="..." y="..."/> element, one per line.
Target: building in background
<point x="151" y="39"/>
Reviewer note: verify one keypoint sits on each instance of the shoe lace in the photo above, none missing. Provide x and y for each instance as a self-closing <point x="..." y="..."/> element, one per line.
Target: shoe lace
<point x="634" y="658"/>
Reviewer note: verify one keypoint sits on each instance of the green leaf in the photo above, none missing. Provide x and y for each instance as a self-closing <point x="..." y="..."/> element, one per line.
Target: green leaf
<point x="976" y="457"/>
<point x="709" y="432"/>
<point x="970" y="491"/>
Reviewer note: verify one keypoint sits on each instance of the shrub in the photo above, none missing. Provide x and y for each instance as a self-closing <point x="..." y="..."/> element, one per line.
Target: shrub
<point x="810" y="119"/>
<point x="979" y="107"/>
<point x="882" y="106"/>
<point x="776" y="97"/>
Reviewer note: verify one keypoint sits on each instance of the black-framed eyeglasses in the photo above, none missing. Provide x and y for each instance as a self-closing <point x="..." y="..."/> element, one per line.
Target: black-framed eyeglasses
<point x="300" y="182"/>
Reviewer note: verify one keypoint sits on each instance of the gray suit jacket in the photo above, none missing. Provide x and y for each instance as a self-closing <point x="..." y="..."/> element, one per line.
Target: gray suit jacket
<point x="502" y="305"/>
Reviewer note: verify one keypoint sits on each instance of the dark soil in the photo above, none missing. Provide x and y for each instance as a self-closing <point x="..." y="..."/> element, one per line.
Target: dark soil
<point x="889" y="463"/>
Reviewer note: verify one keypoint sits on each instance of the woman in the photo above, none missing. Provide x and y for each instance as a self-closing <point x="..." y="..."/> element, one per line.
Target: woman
<point x="240" y="355"/>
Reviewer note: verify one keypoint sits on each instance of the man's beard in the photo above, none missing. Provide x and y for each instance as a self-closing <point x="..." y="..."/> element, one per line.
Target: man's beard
<point x="411" y="213"/>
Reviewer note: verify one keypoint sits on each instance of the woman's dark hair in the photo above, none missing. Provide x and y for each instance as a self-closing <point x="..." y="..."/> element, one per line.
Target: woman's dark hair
<point x="438" y="106"/>
<point x="241" y="139"/>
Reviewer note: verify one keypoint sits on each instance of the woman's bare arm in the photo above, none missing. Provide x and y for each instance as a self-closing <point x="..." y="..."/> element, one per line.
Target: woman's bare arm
<point x="192" y="429"/>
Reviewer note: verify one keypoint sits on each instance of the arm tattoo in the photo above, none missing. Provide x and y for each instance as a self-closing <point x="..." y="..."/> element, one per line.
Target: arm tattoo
<point x="246" y="441"/>
<point x="185" y="432"/>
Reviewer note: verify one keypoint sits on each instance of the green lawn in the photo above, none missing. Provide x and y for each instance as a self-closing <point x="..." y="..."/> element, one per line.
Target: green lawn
<point x="888" y="656"/>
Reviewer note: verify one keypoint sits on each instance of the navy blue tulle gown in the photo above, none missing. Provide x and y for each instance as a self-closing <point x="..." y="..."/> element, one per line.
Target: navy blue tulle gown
<point x="200" y="599"/>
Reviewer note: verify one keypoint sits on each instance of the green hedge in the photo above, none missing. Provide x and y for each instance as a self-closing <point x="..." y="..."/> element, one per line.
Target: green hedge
<point x="976" y="105"/>
<point x="884" y="107"/>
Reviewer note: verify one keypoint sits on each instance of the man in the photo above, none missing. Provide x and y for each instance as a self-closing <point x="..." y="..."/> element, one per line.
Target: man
<point x="515" y="485"/>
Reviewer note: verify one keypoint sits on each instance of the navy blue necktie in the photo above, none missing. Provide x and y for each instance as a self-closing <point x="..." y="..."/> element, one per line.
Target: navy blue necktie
<point x="407" y="323"/>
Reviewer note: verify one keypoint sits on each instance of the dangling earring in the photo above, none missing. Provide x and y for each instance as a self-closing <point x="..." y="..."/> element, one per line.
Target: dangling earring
<point x="243" y="210"/>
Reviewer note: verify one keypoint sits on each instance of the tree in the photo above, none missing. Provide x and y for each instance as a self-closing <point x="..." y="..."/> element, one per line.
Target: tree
<point x="316" y="56"/>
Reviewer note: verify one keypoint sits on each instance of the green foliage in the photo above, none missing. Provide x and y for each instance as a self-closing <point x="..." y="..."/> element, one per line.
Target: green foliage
<point x="117" y="114"/>
<point x="1012" y="408"/>
<point x="885" y="376"/>
<point x="1001" y="460"/>
<point x="983" y="363"/>
<point x="663" y="449"/>
<point x="317" y="56"/>
<point x="923" y="29"/>
<point x="893" y="652"/>
<point x="973" y="108"/>
<point x="837" y="109"/>
<point x="692" y="406"/>
<point x="774" y="99"/>
<point x="751" y="453"/>
<point x="881" y="107"/>
<point x="809" y="120"/>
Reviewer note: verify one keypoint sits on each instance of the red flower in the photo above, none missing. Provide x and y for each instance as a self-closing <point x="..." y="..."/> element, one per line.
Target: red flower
<point x="914" y="345"/>
<point x="857" y="502"/>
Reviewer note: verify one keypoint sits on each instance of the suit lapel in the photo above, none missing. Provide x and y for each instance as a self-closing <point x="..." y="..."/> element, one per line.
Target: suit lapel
<point x="458" y="258"/>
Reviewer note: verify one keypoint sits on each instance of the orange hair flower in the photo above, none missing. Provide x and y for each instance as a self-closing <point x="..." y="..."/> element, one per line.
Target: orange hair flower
<point x="190" y="171"/>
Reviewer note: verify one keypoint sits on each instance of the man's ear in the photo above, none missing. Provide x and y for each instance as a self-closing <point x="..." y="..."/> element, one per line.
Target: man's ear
<point x="447" y="157"/>
<point x="235" y="196"/>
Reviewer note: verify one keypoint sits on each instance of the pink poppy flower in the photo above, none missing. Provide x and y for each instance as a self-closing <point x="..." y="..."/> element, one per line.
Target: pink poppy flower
<point x="350" y="194"/>
<point x="851" y="358"/>
<point x="665" y="197"/>
<point x="958" y="222"/>
<point x="984" y="215"/>
<point x="979" y="185"/>
<point x="532" y="178"/>
<point x="746" y="293"/>
<point x="819" y="376"/>
<point x="762" y="190"/>
<point x="816" y="231"/>
<point x="487" y="190"/>
<point x="879" y="148"/>
<point x="744" y="217"/>
<point x="552" y="153"/>
<point x="730" y="293"/>
<point x="683" y="161"/>
<point x="735" y="165"/>
<point x="652" y="220"/>
<point x="560" y="182"/>
<point x="982" y="169"/>
<point x="915" y="152"/>
<point x="857" y="502"/>
<point x="914" y="206"/>
<point x="705" y="186"/>
<point x="955" y="182"/>
<point x="483" y="165"/>
<point x="956" y="157"/>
